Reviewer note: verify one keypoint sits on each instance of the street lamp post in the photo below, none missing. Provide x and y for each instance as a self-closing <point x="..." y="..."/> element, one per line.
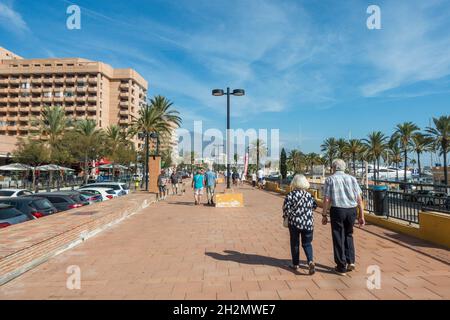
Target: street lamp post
<point x="217" y="93"/>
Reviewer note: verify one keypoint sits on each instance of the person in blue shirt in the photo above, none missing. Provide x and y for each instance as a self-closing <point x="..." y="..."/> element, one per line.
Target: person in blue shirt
<point x="198" y="183"/>
<point x="211" y="182"/>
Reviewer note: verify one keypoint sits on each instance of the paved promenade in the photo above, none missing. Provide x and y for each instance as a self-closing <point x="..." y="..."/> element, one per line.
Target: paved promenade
<point x="175" y="250"/>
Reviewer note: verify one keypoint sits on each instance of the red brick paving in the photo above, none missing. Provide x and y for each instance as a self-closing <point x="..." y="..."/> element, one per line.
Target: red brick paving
<point x="174" y="250"/>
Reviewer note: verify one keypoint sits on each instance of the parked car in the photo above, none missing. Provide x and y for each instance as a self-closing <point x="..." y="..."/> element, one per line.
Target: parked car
<point x="90" y="197"/>
<point x="447" y="203"/>
<point x="10" y="215"/>
<point x="64" y="200"/>
<point x="103" y="193"/>
<point x="33" y="207"/>
<point x="14" y="193"/>
<point x="120" y="188"/>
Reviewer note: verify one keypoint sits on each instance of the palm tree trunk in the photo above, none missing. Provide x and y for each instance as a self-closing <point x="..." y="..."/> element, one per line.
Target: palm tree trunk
<point x="85" y="169"/>
<point x="444" y="150"/>
<point x="354" y="163"/>
<point x="406" y="164"/>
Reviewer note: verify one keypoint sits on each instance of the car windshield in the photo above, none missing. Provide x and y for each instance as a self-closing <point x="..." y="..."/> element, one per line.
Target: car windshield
<point x="76" y="197"/>
<point x="42" y="204"/>
<point x="125" y="186"/>
<point x="7" y="213"/>
<point x="5" y="193"/>
<point x="110" y="191"/>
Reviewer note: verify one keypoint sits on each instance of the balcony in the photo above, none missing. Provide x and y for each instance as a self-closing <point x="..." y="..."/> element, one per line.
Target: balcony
<point x="59" y="98"/>
<point x="3" y="99"/>
<point x="92" y="99"/>
<point x="47" y="81"/>
<point x="69" y="99"/>
<point x="14" y="90"/>
<point x="36" y="90"/>
<point x="92" y="108"/>
<point x="81" y="79"/>
<point x="13" y="109"/>
<point x="123" y="121"/>
<point x="12" y="128"/>
<point x="81" y="99"/>
<point x="33" y="127"/>
<point x="123" y="112"/>
<point x="36" y="99"/>
<point x="124" y="86"/>
<point x="35" y="109"/>
<point x="13" y="99"/>
<point x="80" y="109"/>
<point x="25" y="99"/>
<point x="124" y="95"/>
<point x="4" y="80"/>
<point x="92" y="80"/>
<point x="70" y="80"/>
<point x="24" y="118"/>
<point x="14" y="81"/>
<point x="36" y="80"/>
<point x="47" y="99"/>
<point x="92" y="89"/>
<point x="124" y="104"/>
<point x="59" y="80"/>
<point x="12" y="118"/>
<point x="81" y="89"/>
<point x="4" y="90"/>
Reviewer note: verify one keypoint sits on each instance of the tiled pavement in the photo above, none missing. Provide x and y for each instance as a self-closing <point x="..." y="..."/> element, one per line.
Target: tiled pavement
<point x="174" y="250"/>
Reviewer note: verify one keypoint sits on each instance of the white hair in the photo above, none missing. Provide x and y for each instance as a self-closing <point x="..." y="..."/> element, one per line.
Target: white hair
<point x="339" y="165"/>
<point x="299" y="182"/>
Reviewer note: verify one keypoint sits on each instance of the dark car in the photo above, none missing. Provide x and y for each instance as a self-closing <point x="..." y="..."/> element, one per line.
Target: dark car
<point x="10" y="215"/>
<point x="33" y="207"/>
<point x="63" y="200"/>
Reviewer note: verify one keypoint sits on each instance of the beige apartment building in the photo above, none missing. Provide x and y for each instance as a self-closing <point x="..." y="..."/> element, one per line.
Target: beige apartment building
<point x="85" y="89"/>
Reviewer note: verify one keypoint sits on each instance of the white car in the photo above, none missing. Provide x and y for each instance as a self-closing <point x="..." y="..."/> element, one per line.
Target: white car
<point x="8" y="193"/>
<point x="120" y="188"/>
<point x="106" y="193"/>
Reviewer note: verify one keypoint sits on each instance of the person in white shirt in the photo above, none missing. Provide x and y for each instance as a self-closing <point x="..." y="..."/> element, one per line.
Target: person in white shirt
<point x="260" y="178"/>
<point x="254" y="179"/>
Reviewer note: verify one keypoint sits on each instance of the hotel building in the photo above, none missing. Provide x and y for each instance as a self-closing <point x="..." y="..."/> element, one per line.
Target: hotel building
<point x="85" y="89"/>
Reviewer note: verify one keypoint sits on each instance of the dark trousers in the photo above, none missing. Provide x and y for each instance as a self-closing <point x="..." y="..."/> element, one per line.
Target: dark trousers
<point x="342" y="221"/>
<point x="307" y="237"/>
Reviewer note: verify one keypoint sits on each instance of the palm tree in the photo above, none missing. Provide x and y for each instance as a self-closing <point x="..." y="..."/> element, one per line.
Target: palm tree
<point x="312" y="159"/>
<point x="376" y="146"/>
<point x="258" y="148"/>
<point x="295" y="158"/>
<point x="88" y="136"/>
<point x="404" y="132"/>
<point x="116" y="139"/>
<point x="354" y="147"/>
<point x="440" y="135"/>
<point x="341" y="144"/>
<point x="394" y="153"/>
<point x="420" y="143"/>
<point x="52" y="126"/>
<point x="156" y="117"/>
<point x="330" y="148"/>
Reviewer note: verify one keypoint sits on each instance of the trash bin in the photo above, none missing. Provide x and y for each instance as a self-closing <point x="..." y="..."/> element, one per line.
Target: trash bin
<point x="380" y="200"/>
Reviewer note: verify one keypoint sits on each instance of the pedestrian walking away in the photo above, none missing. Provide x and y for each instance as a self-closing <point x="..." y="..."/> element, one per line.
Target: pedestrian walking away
<point x="298" y="217"/>
<point x="343" y="197"/>
<point x="211" y="182"/>
<point x="198" y="183"/>
<point x="162" y="185"/>
<point x="174" y="181"/>
<point x="254" y="177"/>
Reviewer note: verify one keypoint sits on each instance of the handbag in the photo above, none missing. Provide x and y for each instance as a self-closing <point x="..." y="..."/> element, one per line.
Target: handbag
<point x="286" y="222"/>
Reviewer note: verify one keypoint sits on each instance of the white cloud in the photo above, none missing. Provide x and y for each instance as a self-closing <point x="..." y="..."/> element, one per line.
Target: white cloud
<point x="11" y="20"/>
<point x="412" y="47"/>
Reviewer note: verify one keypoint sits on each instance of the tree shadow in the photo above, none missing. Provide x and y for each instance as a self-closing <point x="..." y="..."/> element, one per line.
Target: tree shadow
<point x="255" y="259"/>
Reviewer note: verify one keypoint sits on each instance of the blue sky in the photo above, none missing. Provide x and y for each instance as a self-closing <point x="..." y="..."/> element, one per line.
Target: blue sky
<point x="310" y="68"/>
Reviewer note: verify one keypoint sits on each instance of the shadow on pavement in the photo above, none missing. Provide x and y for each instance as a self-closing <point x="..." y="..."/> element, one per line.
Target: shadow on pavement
<point x="255" y="259"/>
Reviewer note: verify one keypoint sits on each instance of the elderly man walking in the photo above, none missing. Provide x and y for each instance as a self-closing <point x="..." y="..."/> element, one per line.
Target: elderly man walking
<point x="342" y="195"/>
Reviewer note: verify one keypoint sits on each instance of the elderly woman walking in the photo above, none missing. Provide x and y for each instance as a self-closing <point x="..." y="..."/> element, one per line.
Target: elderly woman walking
<point x="298" y="215"/>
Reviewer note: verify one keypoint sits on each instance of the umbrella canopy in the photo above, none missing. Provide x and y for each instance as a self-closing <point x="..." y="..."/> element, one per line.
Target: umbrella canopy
<point x="110" y="166"/>
<point x="53" y="167"/>
<point x="16" y="167"/>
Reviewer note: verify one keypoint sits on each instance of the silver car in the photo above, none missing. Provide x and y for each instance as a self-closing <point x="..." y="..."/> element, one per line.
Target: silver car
<point x="10" y="215"/>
